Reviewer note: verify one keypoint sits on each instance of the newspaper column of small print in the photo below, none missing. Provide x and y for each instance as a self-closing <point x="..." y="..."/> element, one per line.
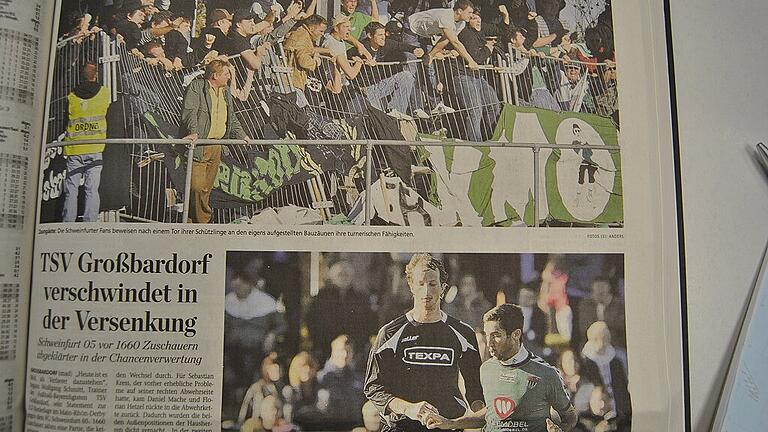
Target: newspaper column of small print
<point x="119" y="340"/>
<point x="20" y="24"/>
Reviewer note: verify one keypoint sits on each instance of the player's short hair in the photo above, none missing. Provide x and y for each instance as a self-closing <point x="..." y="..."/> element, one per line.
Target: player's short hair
<point x="214" y="67"/>
<point x="463" y="4"/>
<point x="508" y="315"/>
<point x="429" y="262"/>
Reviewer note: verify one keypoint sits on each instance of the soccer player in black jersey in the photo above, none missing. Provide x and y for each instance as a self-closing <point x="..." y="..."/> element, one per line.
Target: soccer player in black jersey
<point x="414" y="366"/>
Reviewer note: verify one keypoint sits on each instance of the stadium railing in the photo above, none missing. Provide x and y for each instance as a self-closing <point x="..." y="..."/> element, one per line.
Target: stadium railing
<point x="152" y="98"/>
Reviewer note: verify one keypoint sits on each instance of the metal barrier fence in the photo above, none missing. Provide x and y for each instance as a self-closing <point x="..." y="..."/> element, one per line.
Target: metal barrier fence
<point x="441" y="100"/>
<point x="556" y="84"/>
<point x="368" y="166"/>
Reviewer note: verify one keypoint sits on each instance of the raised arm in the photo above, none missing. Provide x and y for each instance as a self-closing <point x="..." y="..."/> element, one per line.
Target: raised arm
<point x="374" y="10"/>
<point x="311" y="8"/>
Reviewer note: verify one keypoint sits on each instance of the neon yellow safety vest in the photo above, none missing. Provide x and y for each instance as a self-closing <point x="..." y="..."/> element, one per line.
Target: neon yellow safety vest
<point x="87" y="121"/>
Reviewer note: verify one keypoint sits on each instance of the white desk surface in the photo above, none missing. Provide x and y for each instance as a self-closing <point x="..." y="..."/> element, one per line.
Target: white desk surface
<point x="722" y="101"/>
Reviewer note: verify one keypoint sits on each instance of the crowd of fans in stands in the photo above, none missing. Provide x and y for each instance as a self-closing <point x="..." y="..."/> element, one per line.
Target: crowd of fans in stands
<point x="574" y="318"/>
<point x="336" y="57"/>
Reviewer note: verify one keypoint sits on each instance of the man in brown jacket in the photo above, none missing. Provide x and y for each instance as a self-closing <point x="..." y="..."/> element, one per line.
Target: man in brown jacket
<point x="208" y="113"/>
<point x="301" y="48"/>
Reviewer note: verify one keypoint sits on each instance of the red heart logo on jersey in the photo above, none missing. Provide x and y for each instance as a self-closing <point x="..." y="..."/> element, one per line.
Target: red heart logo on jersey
<point x="504" y="407"/>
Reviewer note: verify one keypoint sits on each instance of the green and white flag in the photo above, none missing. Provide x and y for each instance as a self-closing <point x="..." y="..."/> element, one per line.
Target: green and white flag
<point x="494" y="186"/>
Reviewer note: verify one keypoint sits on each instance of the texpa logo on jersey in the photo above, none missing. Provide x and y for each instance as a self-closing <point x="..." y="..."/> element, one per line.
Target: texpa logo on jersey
<point x="428" y="356"/>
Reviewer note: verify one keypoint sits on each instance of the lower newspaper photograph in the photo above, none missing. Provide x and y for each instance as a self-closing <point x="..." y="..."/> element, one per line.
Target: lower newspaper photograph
<point x="419" y="341"/>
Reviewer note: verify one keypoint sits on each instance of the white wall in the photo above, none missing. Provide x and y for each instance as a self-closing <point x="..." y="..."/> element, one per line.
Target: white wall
<point x="721" y="73"/>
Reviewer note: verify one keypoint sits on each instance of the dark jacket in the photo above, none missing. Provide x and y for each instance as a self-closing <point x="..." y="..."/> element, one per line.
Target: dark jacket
<point x="620" y="385"/>
<point x="196" y="113"/>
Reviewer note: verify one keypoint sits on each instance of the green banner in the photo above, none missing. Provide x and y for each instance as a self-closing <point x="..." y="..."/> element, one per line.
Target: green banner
<point x="494" y="186"/>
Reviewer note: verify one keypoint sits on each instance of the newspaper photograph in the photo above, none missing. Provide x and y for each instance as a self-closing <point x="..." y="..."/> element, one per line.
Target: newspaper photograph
<point x="412" y="329"/>
<point x="434" y="113"/>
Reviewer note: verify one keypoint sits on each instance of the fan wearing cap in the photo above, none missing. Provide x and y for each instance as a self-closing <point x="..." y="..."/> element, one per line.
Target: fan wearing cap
<point x="335" y="43"/>
<point x="573" y="93"/>
<point x="244" y="26"/>
<point x="214" y="37"/>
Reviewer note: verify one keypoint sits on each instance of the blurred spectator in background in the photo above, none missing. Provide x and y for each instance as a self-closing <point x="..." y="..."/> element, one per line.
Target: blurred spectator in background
<point x="469" y="304"/>
<point x="577" y="385"/>
<point x="534" y="320"/>
<point x="340" y="395"/>
<point x="350" y="309"/>
<point x="270" y="418"/>
<point x="301" y="392"/>
<point x="252" y="323"/>
<point x="606" y="366"/>
<point x="270" y="383"/>
<point x="397" y="299"/>
<point x="553" y="300"/>
<point x="603" y="306"/>
<point x="601" y="415"/>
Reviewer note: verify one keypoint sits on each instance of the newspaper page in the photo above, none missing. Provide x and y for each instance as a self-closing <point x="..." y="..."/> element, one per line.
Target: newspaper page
<point x="25" y="34"/>
<point x="356" y="215"/>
